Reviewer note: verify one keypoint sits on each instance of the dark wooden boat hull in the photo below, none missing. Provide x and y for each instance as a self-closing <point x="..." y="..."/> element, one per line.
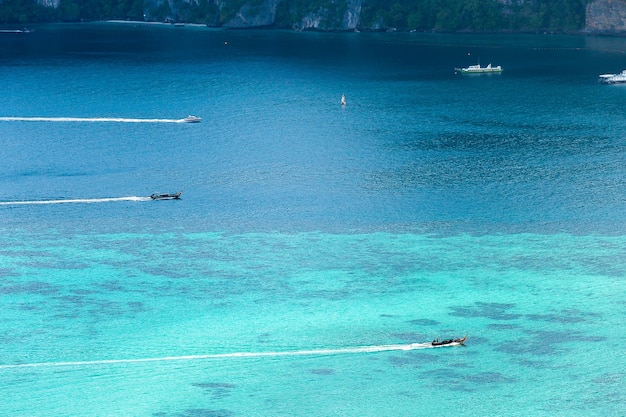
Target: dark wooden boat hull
<point x="166" y="196"/>
<point x="449" y="342"/>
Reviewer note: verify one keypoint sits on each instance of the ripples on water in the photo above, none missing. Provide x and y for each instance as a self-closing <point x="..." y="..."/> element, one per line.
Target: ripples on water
<point x="416" y="144"/>
<point x="432" y="205"/>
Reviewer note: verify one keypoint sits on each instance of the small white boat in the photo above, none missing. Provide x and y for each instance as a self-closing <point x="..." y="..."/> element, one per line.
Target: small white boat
<point x="477" y="69"/>
<point x="613" y="78"/>
<point x="343" y="100"/>
<point x="25" y="30"/>
<point x="192" y="119"/>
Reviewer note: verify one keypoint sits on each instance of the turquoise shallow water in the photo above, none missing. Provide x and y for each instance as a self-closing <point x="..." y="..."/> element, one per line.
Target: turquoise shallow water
<point x="544" y="315"/>
<point x="431" y="206"/>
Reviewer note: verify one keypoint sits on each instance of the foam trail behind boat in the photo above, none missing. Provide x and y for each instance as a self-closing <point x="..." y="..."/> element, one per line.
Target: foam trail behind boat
<point x="233" y="355"/>
<point x="88" y="119"/>
<point x="77" y="200"/>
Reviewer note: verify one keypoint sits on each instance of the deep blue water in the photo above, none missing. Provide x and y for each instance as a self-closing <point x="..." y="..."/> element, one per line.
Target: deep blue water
<point x="431" y="205"/>
<point x="537" y="148"/>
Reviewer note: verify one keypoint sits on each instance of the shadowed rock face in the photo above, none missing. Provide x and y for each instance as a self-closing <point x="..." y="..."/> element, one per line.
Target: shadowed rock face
<point x="606" y="16"/>
<point x="601" y="16"/>
<point x="262" y="13"/>
<point x="258" y="15"/>
<point x="49" y="3"/>
<point x="325" y="15"/>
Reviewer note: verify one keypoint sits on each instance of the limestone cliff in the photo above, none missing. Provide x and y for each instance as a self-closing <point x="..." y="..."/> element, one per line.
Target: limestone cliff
<point x="254" y="15"/>
<point x="606" y="16"/>
<point x="49" y="3"/>
<point x="323" y="17"/>
<point x="240" y="14"/>
<point x="601" y="16"/>
<point x="598" y="16"/>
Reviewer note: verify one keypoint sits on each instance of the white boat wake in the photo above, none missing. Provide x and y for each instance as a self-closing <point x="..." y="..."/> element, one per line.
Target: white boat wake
<point x="88" y="119"/>
<point x="77" y="200"/>
<point x="312" y="352"/>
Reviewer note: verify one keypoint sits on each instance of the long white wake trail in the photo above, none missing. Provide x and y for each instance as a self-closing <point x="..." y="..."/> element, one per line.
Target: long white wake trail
<point x="88" y="119"/>
<point x="76" y="200"/>
<point x="311" y="352"/>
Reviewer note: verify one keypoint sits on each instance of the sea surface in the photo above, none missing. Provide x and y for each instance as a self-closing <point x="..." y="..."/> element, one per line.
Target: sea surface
<point x="317" y="248"/>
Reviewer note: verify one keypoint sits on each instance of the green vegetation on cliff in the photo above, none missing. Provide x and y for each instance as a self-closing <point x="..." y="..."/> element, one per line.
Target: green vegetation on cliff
<point x="422" y="15"/>
<point x="24" y="11"/>
<point x="475" y="15"/>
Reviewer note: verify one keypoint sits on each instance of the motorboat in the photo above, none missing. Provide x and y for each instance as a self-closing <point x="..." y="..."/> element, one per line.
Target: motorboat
<point x="25" y="30"/>
<point x="166" y="196"/>
<point x="613" y="78"/>
<point x="477" y="69"/>
<point x="192" y="119"/>
<point x="449" y="342"/>
<point x="343" y="100"/>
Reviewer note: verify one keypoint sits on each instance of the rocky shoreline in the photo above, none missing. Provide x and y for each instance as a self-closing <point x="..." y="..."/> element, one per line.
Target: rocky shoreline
<point x="601" y="17"/>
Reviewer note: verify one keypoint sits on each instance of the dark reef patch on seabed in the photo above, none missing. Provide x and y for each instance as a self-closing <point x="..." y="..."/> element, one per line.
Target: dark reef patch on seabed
<point x="112" y="286"/>
<point x="30" y="306"/>
<point x="494" y="311"/>
<point x="453" y="380"/>
<point x="424" y="322"/>
<point x="553" y="337"/>
<point x="544" y="342"/>
<point x="216" y="389"/>
<point x="197" y="412"/>
<point x="569" y="316"/>
<point x="8" y="272"/>
<point x="618" y="378"/>
<point x="166" y="272"/>
<point x="72" y="306"/>
<point x="55" y="264"/>
<point x="534" y="364"/>
<point x="488" y="378"/>
<point x="503" y="327"/>
<point x="31" y="287"/>
<point x="413" y="360"/>
<point x="322" y="371"/>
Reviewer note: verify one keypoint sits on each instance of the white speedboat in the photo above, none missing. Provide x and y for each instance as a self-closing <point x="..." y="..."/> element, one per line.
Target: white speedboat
<point x="25" y="30"/>
<point x="613" y="78"/>
<point x="477" y="69"/>
<point x="192" y="119"/>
